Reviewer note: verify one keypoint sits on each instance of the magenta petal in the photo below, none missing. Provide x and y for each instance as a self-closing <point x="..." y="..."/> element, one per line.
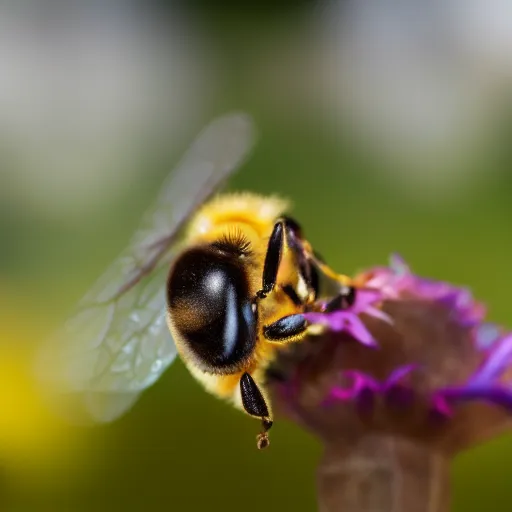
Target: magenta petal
<point x="358" y="330"/>
<point x="450" y="300"/>
<point x="398" y="374"/>
<point x="364" y="388"/>
<point x="339" y="321"/>
<point x="388" y="283"/>
<point x="332" y="320"/>
<point x="497" y="362"/>
<point x="359" y="383"/>
<point x="484" y="384"/>
<point x="361" y="380"/>
<point x="365" y="298"/>
<point x="498" y="395"/>
<point x="344" y="395"/>
<point x="440" y="405"/>
<point x="377" y="313"/>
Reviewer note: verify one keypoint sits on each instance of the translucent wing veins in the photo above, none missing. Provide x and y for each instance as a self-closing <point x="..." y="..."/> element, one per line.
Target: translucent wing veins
<point x="218" y="150"/>
<point x="118" y="342"/>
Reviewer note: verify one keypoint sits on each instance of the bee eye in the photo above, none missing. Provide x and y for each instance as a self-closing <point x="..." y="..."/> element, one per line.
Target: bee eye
<point x="208" y="298"/>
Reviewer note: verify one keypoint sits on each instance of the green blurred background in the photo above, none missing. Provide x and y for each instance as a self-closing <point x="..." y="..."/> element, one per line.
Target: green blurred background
<point x="179" y="448"/>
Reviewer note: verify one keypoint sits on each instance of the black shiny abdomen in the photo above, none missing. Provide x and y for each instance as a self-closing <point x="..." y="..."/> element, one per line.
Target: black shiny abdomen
<point x="208" y="299"/>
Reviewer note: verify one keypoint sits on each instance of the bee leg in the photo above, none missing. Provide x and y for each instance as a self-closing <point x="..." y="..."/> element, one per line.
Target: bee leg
<point x="286" y="328"/>
<point x="308" y="271"/>
<point x="344" y="300"/>
<point x="317" y="260"/>
<point x="272" y="260"/>
<point x="255" y="405"/>
<point x="288" y="227"/>
<point x="342" y="279"/>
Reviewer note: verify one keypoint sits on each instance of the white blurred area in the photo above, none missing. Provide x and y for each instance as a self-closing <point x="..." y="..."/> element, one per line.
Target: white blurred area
<point x="89" y="89"/>
<point x="89" y="92"/>
<point x="421" y="83"/>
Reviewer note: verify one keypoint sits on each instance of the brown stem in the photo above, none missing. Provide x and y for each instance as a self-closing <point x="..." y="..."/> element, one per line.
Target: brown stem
<point x="378" y="473"/>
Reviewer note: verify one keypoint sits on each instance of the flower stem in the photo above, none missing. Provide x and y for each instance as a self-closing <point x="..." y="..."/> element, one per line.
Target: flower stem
<point x="379" y="473"/>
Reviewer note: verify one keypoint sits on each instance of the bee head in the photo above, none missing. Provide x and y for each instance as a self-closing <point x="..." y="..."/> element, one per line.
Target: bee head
<point x="211" y="308"/>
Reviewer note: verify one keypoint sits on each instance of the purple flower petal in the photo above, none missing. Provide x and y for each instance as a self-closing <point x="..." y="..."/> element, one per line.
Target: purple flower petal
<point x="403" y="401"/>
<point x="355" y="326"/>
<point x="498" y="395"/>
<point x="384" y="281"/>
<point x="398" y="374"/>
<point x="339" y="321"/>
<point x="341" y="394"/>
<point x="388" y="283"/>
<point x="450" y="298"/>
<point x="396" y="279"/>
<point x="348" y="320"/>
<point x="497" y="362"/>
<point x="486" y="335"/>
<point x="361" y="380"/>
<point x="364" y="387"/>
<point x="365" y="299"/>
<point x="484" y="384"/>
<point x="379" y="314"/>
<point x="440" y="406"/>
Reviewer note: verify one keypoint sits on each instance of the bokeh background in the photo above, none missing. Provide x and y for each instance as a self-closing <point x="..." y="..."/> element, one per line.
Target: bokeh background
<point x="387" y="124"/>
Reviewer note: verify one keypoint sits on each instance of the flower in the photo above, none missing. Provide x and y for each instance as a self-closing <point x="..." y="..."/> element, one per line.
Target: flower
<point x="412" y="357"/>
<point x="36" y="445"/>
<point x="348" y="320"/>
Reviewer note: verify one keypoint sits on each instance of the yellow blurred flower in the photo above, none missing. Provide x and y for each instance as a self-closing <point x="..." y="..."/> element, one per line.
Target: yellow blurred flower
<point x="34" y="443"/>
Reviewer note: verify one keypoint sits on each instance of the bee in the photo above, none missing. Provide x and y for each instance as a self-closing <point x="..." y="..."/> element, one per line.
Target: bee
<point x="227" y="296"/>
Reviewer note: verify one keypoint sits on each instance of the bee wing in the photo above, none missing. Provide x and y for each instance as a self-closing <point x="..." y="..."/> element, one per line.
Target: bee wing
<point x="117" y="343"/>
